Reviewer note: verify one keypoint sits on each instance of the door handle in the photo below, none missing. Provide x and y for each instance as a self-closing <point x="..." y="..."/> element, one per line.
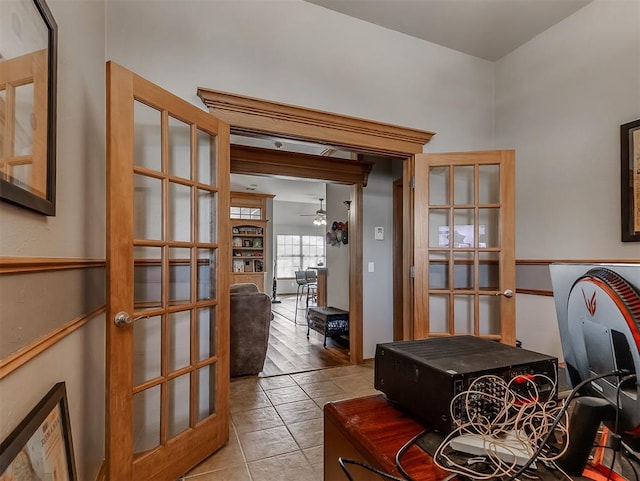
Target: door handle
<point x="123" y="319"/>
<point x="505" y="293"/>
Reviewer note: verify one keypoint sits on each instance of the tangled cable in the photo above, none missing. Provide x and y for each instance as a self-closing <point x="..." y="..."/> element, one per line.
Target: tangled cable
<point x="508" y="417"/>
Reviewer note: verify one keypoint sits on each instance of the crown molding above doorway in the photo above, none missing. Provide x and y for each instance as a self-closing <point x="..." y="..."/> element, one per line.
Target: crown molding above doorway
<point x="248" y="115"/>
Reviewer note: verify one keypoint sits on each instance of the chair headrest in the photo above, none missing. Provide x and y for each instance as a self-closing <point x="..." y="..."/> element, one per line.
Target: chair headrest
<point x="243" y="288"/>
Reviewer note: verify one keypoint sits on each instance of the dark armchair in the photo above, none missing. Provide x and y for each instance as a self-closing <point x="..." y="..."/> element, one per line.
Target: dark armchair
<point x="249" y="329"/>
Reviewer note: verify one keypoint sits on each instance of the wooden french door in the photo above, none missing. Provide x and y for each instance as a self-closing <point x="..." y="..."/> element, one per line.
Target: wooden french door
<point x="464" y="245"/>
<point x="168" y="264"/>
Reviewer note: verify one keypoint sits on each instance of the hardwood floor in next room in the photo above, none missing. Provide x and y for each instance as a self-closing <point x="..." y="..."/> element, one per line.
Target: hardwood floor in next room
<point x="289" y="349"/>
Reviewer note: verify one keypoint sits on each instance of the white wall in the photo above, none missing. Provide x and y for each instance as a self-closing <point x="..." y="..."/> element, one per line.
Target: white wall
<point x="560" y="100"/>
<point x="378" y="285"/>
<point x="299" y="53"/>
<point x="337" y="255"/>
<point x="77" y="230"/>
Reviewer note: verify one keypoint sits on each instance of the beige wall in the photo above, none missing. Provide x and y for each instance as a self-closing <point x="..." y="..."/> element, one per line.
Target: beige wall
<point x="77" y="230"/>
<point x="560" y="101"/>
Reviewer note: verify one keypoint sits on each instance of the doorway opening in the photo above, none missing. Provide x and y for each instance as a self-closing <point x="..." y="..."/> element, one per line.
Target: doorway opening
<point x="298" y="243"/>
<point x="256" y="117"/>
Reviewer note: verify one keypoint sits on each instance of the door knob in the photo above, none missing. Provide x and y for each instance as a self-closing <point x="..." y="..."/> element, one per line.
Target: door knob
<point x="505" y="293"/>
<point x="123" y="319"/>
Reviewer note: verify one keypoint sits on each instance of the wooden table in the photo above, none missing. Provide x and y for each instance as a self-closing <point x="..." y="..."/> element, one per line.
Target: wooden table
<point x="372" y="430"/>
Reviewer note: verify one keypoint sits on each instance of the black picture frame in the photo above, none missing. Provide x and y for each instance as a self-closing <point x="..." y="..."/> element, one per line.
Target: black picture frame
<point x="42" y="438"/>
<point x="16" y="192"/>
<point x="630" y="181"/>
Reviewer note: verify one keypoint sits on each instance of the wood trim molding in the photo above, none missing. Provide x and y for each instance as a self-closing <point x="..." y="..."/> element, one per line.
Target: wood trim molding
<point x="24" y="355"/>
<point x="16" y="265"/>
<point x="248" y="115"/>
<point x="542" y="263"/>
<point x="530" y="262"/>
<point x="535" y="292"/>
<point x="255" y="160"/>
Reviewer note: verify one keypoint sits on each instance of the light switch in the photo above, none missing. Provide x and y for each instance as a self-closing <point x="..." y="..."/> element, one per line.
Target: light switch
<point x="379" y="233"/>
<point x="371" y="269"/>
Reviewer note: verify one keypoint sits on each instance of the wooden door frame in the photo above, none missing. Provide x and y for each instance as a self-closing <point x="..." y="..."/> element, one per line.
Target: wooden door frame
<point x="398" y="274"/>
<point x="251" y="116"/>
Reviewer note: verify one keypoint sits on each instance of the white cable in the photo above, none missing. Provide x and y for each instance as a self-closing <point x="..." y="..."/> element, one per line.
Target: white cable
<point x="492" y="408"/>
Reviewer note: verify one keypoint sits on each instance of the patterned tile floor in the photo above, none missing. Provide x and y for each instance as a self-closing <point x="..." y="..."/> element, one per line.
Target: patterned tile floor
<point x="276" y="425"/>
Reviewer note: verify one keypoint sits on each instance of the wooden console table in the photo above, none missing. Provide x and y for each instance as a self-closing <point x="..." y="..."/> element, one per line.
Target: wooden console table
<point x="372" y="430"/>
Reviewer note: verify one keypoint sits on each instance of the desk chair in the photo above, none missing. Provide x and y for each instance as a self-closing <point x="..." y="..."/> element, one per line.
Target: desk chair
<point x="311" y="277"/>
<point x="301" y="280"/>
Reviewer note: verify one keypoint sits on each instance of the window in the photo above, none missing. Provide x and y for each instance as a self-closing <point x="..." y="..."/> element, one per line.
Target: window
<point x="246" y="213"/>
<point x="298" y="253"/>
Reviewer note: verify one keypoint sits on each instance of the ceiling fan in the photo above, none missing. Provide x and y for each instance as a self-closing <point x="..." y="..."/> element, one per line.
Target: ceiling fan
<point x="320" y="217"/>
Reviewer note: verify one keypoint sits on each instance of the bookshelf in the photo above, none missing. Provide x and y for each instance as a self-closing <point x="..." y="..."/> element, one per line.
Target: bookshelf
<point x="248" y="238"/>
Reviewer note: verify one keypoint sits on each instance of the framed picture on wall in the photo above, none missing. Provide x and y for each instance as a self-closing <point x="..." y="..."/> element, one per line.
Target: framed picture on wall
<point x="40" y="447"/>
<point x="28" y="104"/>
<point x="630" y="180"/>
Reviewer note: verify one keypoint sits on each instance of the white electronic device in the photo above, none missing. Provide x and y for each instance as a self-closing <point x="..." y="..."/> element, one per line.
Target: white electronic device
<point x="512" y="447"/>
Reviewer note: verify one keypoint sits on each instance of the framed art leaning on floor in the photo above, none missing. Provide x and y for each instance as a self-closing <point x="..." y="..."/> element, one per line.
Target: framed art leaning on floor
<point x="40" y="447"/>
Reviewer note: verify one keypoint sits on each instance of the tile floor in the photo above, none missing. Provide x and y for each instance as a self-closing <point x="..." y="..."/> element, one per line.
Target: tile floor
<point x="276" y="425"/>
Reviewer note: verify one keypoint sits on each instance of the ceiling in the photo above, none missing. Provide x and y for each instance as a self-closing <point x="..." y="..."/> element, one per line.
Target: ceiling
<point x="488" y="29"/>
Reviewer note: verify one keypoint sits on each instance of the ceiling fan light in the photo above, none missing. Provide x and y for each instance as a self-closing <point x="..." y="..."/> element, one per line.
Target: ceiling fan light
<point x="321" y="216"/>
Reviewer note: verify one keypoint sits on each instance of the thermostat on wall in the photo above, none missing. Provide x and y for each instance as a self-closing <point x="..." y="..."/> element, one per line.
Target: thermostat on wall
<point x="379" y="233"/>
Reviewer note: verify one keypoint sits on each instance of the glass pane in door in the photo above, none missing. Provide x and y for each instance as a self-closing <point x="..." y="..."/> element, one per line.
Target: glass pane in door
<point x="206" y="333"/>
<point x="179" y="396"/>
<point x="206" y="274"/>
<point x="146" y="419"/>
<point x="439" y="270"/>
<point x="489" y="228"/>
<point x="180" y="212"/>
<point x="438" y="186"/>
<point x="147" y="137"/>
<point x="489" y="270"/>
<point x="206" y="158"/>
<point x="179" y="340"/>
<point x="463" y="235"/>
<point x="439" y="313"/>
<point x="206" y="216"/>
<point x="463" y="184"/>
<point x="206" y="392"/>
<point x="463" y="314"/>
<point x="147" y="278"/>
<point x="463" y="270"/>
<point x="179" y="148"/>
<point x="489" y="184"/>
<point x="147" y="208"/>
<point x="147" y="355"/>
<point x="439" y="235"/>
<point x="489" y="314"/>
<point x="179" y="276"/>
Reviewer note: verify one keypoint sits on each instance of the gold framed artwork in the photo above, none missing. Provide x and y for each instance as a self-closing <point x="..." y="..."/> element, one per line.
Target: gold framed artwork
<point x="630" y="180"/>
<point x="40" y="447"/>
<point x="28" y="58"/>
